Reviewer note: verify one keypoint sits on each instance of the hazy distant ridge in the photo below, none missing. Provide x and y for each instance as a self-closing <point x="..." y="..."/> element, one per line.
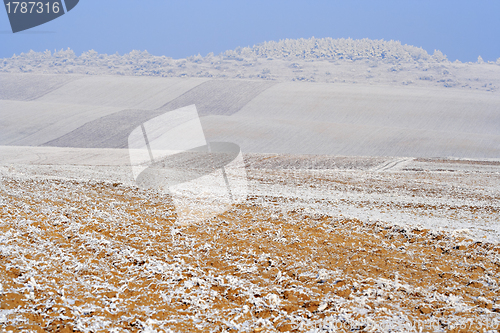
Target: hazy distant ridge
<point x="314" y="60"/>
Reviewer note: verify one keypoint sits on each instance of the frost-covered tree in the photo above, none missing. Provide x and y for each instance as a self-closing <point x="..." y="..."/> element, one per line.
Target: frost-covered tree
<point x="65" y="54"/>
<point x="339" y="60"/>
<point x="438" y="56"/>
<point x="338" y="49"/>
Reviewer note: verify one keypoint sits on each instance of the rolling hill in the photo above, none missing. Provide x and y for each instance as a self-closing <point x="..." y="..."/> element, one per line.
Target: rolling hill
<point x="261" y="116"/>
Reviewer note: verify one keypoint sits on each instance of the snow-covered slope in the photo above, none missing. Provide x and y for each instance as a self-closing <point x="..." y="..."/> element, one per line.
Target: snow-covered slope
<point x="37" y="108"/>
<point x="358" y="120"/>
<point x="260" y="116"/>
<point x="23" y="87"/>
<point x="122" y="92"/>
<point x="33" y="123"/>
<point x="306" y="96"/>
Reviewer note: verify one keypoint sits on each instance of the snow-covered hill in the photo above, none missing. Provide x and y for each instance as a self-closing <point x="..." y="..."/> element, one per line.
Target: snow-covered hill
<point x="260" y="116"/>
<point x="307" y="96"/>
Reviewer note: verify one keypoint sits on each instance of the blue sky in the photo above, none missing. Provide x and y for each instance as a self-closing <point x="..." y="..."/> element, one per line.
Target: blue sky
<point x="462" y="30"/>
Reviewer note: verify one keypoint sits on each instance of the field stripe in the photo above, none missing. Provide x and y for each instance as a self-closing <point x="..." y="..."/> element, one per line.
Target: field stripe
<point x="219" y="97"/>
<point x="27" y="87"/>
<point x="112" y="131"/>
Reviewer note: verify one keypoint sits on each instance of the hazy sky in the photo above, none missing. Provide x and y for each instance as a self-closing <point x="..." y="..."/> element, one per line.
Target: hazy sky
<point x="461" y="29"/>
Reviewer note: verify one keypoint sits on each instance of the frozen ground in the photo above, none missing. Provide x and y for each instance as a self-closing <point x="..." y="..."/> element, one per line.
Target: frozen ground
<point x="316" y="247"/>
<point x="390" y="224"/>
<point x="456" y="195"/>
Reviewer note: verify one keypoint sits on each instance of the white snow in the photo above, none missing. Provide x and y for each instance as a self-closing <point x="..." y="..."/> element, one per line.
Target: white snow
<point x="121" y="92"/>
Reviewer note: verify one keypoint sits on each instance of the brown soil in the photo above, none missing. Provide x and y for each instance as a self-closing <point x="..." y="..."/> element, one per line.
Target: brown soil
<point x="86" y="256"/>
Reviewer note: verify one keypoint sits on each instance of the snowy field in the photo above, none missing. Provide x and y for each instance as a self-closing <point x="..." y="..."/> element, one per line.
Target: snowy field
<point x="456" y="195"/>
<point x="373" y="199"/>
<point x="259" y="116"/>
<point x="322" y="244"/>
